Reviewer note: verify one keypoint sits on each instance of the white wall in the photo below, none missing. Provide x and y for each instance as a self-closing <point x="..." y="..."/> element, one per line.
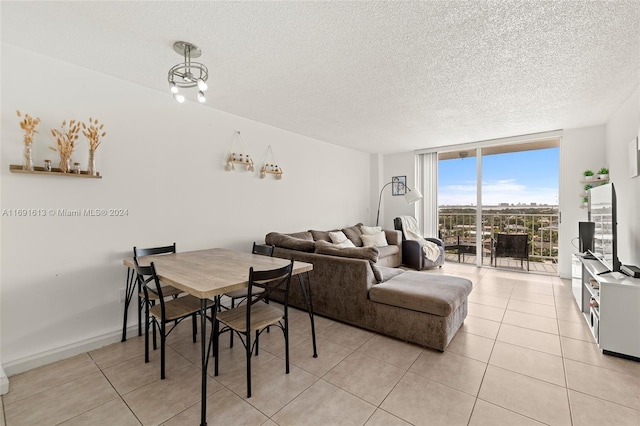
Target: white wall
<point x="164" y="163"/>
<point x="402" y="164"/>
<point x="622" y="127"/>
<point x="580" y="149"/>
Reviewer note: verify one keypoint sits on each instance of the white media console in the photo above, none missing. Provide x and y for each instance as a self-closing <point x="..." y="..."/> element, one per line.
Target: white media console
<point x="614" y="318"/>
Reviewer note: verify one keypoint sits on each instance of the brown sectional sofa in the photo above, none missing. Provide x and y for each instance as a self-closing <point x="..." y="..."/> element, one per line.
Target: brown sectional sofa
<point x="358" y="286"/>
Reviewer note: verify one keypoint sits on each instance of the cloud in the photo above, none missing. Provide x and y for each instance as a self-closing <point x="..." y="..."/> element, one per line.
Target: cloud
<point x="494" y="193"/>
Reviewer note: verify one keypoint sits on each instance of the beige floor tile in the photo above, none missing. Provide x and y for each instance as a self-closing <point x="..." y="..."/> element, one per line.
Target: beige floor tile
<point x="161" y="400"/>
<point x="114" y="412"/>
<point x="587" y="410"/>
<point x="532" y="290"/>
<point x="576" y="330"/>
<point x="613" y="386"/>
<point x="421" y="401"/>
<point x="456" y="371"/>
<point x="570" y="314"/>
<point x="529" y="362"/>
<point x="382" y="418"/>
<point x="232" y="364"/>
<point x="505" y="284"/>
<point x="345" y="335"/>
<point x="61" y="403"/>
<point x="532" y="308"/>
<point x="525" y="395"/>
<point x="480" y="327"/>
<point x="487" y="414"/>
<point x="589" y="353"/>
<point x="532" y="339"/>
<point x="483" y="299"/>
<point x="118" y="352"/>
<point x="368" y="378"/>
<point x="300" y="320"/>
<point x="542" y="299"/>
<point x="566" y="303"/>
<point x="492" y="290"/>
<point x="301" y="355"/>
<point x="271" y="387"/>
<point x="471" y="346"/>
<point x="484" y="311"/>
<point x="223" y="408"/>
<point x="49" y="376"/>
<point x="324" y="404"/>
<point x="134" y="373"/>
<point x="533" y="322"/>
<point x="391" y="351"/>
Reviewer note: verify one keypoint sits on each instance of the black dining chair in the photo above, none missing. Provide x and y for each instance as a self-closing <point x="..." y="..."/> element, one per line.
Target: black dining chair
<point x="255" y="315"/>
<point x="165" y="311"/>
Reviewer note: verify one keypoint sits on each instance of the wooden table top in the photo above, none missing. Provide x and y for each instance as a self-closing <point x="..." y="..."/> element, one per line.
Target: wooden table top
<point x="211" y="272"/>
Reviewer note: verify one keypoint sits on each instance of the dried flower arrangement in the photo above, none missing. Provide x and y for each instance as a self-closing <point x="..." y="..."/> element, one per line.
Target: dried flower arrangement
<point x="28" y="124"/>
<point x="65" y="138"/>
<point x="93" y="135"/>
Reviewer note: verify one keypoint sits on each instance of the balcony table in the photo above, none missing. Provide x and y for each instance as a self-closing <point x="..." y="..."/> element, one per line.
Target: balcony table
<point x="206" y="274"/>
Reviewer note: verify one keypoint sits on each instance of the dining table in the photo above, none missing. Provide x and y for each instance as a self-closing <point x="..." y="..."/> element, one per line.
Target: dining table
<point x="207" y="274"/>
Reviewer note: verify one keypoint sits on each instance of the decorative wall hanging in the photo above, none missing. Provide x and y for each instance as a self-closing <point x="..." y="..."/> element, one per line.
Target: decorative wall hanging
<point x="242" y="157"/>
<point x="270" y="167"/>
<point x="399" y="186"/>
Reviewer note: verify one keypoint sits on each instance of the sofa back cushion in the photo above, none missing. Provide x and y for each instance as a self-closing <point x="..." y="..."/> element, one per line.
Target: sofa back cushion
<point x="354" y="234"/>
<point x="290" y="242"/>
<point x="321" y="235"/>
<point x="367" y="253"/>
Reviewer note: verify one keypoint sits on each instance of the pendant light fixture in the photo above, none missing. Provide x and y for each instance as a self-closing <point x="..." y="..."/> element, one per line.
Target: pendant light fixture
<point x="188" y="74"/>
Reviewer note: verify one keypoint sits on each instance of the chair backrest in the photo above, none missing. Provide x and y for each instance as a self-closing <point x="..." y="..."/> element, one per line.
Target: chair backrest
<point x="397" y="225"/>
<point x="271" y="281"/>
<point x="152" y="251"/>
<point x="512" y="245"/>
<point x="149" y="281"/>
<point x="263" y="249"/>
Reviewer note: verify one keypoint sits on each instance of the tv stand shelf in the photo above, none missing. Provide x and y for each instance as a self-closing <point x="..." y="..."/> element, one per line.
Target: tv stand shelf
<point x="614" y="319"/>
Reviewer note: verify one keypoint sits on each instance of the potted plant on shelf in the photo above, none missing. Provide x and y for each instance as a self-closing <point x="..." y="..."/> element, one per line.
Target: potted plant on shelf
<point x="587" y="187"/>
<point x="588" y="175"/>
<point x="603" y="173"/>
<point x="585" y="201"/>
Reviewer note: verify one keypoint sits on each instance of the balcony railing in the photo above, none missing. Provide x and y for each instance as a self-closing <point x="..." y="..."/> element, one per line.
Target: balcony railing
<point x="541" y="227"/>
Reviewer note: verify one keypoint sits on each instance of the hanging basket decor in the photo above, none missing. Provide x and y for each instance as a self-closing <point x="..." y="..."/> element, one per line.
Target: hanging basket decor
<point x="270" y="167"/>
<point x="242" y="158"/>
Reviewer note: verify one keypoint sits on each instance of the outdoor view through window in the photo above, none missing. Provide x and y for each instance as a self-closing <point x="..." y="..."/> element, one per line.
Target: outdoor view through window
<point x="519" y="196"/>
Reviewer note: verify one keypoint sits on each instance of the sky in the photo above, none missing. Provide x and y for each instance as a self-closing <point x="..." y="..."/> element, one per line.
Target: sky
<point x="516" y="177"/>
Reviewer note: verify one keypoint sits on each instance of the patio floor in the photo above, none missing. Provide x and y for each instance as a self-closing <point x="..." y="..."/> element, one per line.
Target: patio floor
<point x="505" y="263"/>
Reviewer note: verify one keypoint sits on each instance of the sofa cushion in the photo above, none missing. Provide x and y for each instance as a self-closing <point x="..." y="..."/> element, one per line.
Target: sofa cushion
<point x="434" y="294"/>
<point x="367" y="253"/>
<point x="304" y="235"/>
<point x="388" y="273"/>
<point x="376" y="240"/>
<point x="353" y="233"/>
<point x="321" y="235"/>
<point x="287" y="241"/>
<point x="370" y="230"/>
<point x="387" y="251"/>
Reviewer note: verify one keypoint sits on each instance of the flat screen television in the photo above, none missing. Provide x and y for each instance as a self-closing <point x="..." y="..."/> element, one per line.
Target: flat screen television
<point x="602" y="212"/>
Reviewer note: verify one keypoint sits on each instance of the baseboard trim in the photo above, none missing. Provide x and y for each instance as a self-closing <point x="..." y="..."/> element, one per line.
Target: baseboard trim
<point x="4" y="382"/>
<point x="28" y="363"/>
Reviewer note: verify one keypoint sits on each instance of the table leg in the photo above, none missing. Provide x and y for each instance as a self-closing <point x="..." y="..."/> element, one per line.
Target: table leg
<point x="307" y="298"/>
<point x="205" y="358"/>
<point x="128" y="295"/>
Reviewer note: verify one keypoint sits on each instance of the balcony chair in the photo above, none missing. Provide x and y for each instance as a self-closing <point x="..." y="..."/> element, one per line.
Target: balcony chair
<point x="413" y="254"/>
<point x="510" y="245"/>
<point x="256" y="316"/>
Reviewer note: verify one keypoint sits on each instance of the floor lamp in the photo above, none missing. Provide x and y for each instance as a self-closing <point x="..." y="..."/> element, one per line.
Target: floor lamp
<point x="410" y="196"/>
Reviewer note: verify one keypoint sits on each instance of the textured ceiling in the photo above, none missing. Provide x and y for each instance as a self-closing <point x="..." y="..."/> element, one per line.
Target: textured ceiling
<point x="373" y="76"/>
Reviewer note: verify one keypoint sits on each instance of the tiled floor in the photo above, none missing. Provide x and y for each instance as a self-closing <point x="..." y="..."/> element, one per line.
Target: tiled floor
<point x="524" y="356"/>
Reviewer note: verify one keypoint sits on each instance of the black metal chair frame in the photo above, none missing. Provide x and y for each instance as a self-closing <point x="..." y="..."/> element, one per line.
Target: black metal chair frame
<point x="510" y="245"/>
<point x="271" y="281"/>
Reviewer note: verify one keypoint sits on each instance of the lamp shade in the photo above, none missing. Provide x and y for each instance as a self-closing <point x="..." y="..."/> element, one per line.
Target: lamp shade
<point x="412" y="195"/>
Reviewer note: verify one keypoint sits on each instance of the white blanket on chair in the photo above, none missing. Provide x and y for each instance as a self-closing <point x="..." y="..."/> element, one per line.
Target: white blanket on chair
<point x="411" y="232"/>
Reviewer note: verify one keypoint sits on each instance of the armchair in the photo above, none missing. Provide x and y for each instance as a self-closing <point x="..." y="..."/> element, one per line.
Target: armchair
<point x="412" y="253"/>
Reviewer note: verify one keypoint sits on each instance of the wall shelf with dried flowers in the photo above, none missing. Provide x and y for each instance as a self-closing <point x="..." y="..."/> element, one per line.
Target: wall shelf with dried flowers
<point x="242" y="158"/>
<point x="272" y="167"/>
<point x="15" y="168"/>
<point x="28" y="124"/>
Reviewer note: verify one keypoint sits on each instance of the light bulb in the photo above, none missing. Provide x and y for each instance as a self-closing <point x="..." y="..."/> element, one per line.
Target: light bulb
<point x="173" y="87"/>
<point x="202" y="85"/>
<point x="201" y="98"/>
<point x="178" y="97"/>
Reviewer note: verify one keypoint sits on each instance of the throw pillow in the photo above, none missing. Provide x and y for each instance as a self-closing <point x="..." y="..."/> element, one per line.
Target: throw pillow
<point x="375" y="240"/>
<point x="370" y="230"/>
<point x="344" y="244"/>
<point x="337" y="237"/>
<point x="285" y="241"/>
<point x="353" y="233"/>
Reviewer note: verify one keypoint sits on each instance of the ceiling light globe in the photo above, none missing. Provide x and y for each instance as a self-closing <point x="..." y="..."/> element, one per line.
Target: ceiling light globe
<point x="178" y="97"/>
<point x="201" y="98"/>
<point x="173" y="88"/>
<point x="202" y="85"/>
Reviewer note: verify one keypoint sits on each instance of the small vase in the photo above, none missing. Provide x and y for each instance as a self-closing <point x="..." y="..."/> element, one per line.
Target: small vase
<point x="28" y="158"/>
<point x="65" y="164"/>
<point x="91" y="169"/>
